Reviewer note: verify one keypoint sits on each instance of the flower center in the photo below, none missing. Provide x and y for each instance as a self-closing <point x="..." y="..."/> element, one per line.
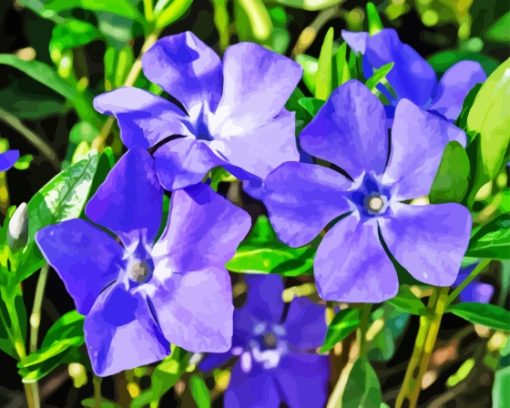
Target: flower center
<point x="374" y="203"/>
<point x="140" y="271"/>
<point x="269" y="340"/>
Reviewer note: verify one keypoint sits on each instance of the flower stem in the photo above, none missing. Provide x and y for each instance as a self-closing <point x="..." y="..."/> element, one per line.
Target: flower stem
<point x="474" y="273"/>
<point x="96" y="381"/>
<point x="35" y="317"/>
<point x="423" y="347"/>
<point x="362" y="330"/>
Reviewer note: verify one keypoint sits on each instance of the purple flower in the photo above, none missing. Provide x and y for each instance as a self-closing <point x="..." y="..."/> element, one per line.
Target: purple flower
<point x="7" y="159"/>
<point x="373" y="173"/>
<point x="138" y="295"/>
<point x="476" y="291"/>
<point x="274" y="356"/>
<point x="412" y="77"/>
<point x="232" y="112"/>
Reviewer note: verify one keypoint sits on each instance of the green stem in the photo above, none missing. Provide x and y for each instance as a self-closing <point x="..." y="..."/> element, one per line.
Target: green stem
<point x="423" y="347"/>
<point x="35" y="317"/>
<point x="96" y="381"/>
<point x="148" y="9"/>
<point x="5" y="200"/>
<point x="362" y="330"/>
<point x="472" y="276"/>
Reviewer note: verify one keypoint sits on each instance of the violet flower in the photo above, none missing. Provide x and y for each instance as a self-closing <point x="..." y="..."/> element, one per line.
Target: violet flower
<point x="412" y="77"/>
<point x="7" y="159"/>
<point x="373" y="174"/>
<point x="476" y="291"/>
<point x="274" y="354"/>
<point x="138" y="295"/>
<point x="232" y="112"/>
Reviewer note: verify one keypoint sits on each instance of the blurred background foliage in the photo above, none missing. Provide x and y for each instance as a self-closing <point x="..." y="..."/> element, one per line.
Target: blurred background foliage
<point x="56" y="55"/>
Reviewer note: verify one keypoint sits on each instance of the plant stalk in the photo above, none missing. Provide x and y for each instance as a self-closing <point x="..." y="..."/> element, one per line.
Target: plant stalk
<point x="35" y="316"/>
<point x="423" y="347"/>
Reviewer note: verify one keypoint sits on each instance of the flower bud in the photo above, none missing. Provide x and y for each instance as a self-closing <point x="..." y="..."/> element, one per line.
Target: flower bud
<point x="17" y="233"/>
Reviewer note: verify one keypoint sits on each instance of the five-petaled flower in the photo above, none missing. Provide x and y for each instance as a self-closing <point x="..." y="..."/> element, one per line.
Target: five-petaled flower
<point x="412" y="77"/>
<point x="275" y="360"/>
<point x="7" y="159"/>
<point x="228" y="113"/>
<point x="138" y="296"/>
<point x="364" y="193"/>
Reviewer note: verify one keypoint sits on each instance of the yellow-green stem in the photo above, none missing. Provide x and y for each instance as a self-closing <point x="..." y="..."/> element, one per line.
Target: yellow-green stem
<point x="96" y="381"/>
<point x="423" y="347"/>
<point x="35" y="317"/>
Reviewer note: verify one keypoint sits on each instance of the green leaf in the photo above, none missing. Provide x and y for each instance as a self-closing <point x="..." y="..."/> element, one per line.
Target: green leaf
<point x="492" y="240"/>
<point x="123" y="8"/>
<point x="56" y="348"/>
<point x="490" y="117"/>
<point x="64" y="196"/>
<point x="55" y="356"/>
<point x="499" y="31"/>
<point x="104" y="403"/>
<point x="258" y="20"/>
<point x="374" y="20"/>
<point x="342" y="66"/>
<point x="46" y="75"/>
<point x="406" y="301"/>
<point x="199" y="392"/>
<point x="324" y="77"/>
<point x="173" y="12"/>
<point x="452" y="178"/>
<point x="310" y="66"/>
<point x="500" y="394"/>
<point x="443" y="60"/>
<point x="310" y="5"/>
<point x="485" y="314"/>
<point x="311" y="105"/>
<point x="379" y="75"/>
<point x="71" y="34"/>
<point x="69" y="325"/>
<point x="23" y="163"/>
<point x="363" y="388"/>
<point x="343" y="324"/>
<point x="262" y="252"/>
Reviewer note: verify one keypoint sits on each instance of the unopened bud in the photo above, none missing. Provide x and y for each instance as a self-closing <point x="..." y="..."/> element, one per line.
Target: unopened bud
<point x="17" y="234"/>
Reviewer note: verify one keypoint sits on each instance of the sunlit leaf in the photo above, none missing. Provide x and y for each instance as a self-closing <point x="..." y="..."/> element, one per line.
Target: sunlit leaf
<point x="324" y="76"/>
<point x="492" y="240"/>
<point x="343" y="324"/>
<point x="485" y="314"/>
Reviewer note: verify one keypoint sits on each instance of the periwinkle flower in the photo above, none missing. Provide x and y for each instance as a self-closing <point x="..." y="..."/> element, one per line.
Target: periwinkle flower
<point x="476" y="291"/>
<point x="7" y="159"/>
<point x="231" y="112"/>
<point x="274" y="355"/>
<point x="138" y="293"/>
<point x="364" y="195"/>
<point x="412" y="77"/>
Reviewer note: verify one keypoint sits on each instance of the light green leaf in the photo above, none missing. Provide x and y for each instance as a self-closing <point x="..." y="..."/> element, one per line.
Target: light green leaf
<point x="262" y="252"/>
<point x="123" y="8"/>
<point x="342" y="66"/>
<point x="71" y="34"/>
<point x="199" y="392"/>
<point x="490" y="117"/>
<point x="500" y="394"/>
<point x="258" y="18"/>
<point x="485" y="314"/>
<point x="47" y="352"/>
<point x="69" y="325"/>
<point x="499" y="31"/>
<point x="311" y="105"/>
<point x="363" y="388"/>
<point x="23" y="163"/>
<point x="406" y="301"/>
<point x="374" y="20"/>
<point x="379" y="75"/>
<point x="492" y="240"/>
<point x="173" y="12"/>
<point x="343" y="324"/>
<point x="452" y="178"/>
<point x="324" y="77"/>
<point x="310" y="5"/>
<point x="46" y="75"/>
<point x="310" y="66"/>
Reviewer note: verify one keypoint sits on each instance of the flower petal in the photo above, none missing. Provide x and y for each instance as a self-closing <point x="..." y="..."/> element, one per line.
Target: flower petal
<point x="349" y="131"/>
<point x="194" y="309"/>
<point x="184" y="162"/>
<point x="418" y="139"/>
<point x="204" y="229"/>
<point x="352" y="266"/>
<point x="7" y="159"/>
<point x="429" y="241"/>
<point x="86" y="259"/>
<point x="411" y="77"/>
<point x="303" y="380"/>
<point x="302" y="199"/>
<point x="305" y="324"/>
<point x="121" y="334"/>
<point x="356" y="40"/>
<point x="144" y="119"/>
<point x="264" y="302"/>
<point x="257" y="84"/>
<point x="253" y="389"/>
<point x="261" y="150"/>
<point x="187" y="69"/>
<point x="454" y="87"/>
<point x="130" y="200"/>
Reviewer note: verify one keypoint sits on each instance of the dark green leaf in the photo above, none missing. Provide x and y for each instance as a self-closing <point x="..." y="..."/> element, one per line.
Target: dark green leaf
<point x="343" y="324"/>
<point x="406" y="301"/>
<point x="262" y="252"/>
<point x="443" y="60"/>
<point x="70" y="325"/>
<point x="452" y="178"/>
<point x="485" y="314"/>
<point x="492" y="240"/>
<point x="199" y="392"/>
<point x="363" y="388"/>
<point x="311" y="105"/>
